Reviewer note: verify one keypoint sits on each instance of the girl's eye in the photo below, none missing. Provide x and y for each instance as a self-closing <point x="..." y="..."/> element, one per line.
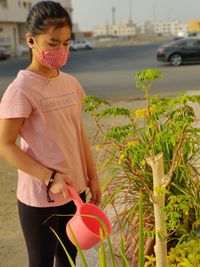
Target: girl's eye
<point x="52" y="44"/>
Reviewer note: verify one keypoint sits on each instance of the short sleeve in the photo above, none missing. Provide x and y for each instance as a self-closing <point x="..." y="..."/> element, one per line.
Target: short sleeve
<point x="80" y="91"/>
<point x="14" y="104"/>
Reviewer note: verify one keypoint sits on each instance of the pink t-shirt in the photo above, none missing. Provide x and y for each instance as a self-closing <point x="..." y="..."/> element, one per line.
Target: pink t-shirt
<point x="51" y="133"/>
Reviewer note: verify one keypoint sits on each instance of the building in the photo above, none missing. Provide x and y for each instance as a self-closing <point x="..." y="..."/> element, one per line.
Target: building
<point x="146" y="27"/>
<point x="13" y="14"/>
<point x="126" y="29"/>
<point x="173" y="28"/>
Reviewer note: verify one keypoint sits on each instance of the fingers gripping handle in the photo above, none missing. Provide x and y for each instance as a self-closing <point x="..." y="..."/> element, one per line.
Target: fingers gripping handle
<point x="74" y="196"/>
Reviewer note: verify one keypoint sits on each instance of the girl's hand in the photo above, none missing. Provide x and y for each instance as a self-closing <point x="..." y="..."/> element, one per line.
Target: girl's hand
<point x="95" y="191"/>
<point x="59" y="185"/>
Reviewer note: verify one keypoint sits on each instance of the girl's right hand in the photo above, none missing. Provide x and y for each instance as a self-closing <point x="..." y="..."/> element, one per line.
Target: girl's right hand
<point x="59" y="185"/>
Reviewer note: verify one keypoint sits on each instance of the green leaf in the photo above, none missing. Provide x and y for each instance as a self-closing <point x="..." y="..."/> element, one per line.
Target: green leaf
<point x="103" y="259"/>
<point x="82" y="258"/>
<point x="148" y="75"/>
<point x="113" y="258"/>
<point x="63" y="246"/>
<point x="141" y="233"/>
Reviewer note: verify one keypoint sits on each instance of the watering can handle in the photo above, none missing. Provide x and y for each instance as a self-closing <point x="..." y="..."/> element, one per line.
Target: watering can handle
<point x="74" y="196"/>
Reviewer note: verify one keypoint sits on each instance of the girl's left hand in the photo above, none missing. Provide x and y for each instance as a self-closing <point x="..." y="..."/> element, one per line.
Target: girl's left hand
<point x="95" y="191"/>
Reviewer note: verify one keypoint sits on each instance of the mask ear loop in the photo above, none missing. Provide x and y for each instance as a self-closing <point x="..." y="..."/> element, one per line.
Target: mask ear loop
<point x="37" y="45"/>
<point x="41" y="52"/>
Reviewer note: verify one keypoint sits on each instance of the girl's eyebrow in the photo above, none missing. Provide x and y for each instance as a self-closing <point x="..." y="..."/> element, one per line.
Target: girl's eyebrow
<point x="56" y="40"/>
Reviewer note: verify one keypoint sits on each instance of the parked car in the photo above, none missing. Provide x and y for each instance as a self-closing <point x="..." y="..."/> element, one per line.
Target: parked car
<point x="73" y="46"/>
<point x="177" y="38"/>
<point x="4" y="54"/>
<point x="178" y="52"/>
<point x="194" y="34"/>
<point x="81" y="44"/>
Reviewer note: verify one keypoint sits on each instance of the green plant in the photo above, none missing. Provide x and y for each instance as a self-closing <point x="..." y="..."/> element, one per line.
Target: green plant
<point x="186" y="254"/>
<point x="182" y="255"/>
<point x="103" y="250"/>
<point x="126" y="138"/>
<point x="141" y="234"/>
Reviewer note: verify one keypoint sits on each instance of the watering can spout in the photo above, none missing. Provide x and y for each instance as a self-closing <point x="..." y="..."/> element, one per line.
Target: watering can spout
<point x="74" y="196"/>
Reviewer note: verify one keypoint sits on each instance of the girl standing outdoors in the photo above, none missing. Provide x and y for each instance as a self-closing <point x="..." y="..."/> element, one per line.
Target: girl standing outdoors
<point x="42" y="106"/>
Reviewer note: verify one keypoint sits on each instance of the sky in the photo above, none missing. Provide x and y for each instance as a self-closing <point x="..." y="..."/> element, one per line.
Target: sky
<point x="91" y="13"/>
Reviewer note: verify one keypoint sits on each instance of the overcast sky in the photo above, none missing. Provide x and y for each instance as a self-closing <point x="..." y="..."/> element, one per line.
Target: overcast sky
<point x="90" y="13"/>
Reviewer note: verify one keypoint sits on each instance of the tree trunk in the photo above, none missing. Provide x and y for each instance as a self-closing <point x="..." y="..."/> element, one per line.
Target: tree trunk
<point x="160" y="248"/>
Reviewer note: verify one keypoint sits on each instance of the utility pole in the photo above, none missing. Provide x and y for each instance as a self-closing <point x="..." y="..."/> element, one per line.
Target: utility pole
<point x="130" y="11"/>
<point x="154" y="19"/>
<point x="113" y="15"/>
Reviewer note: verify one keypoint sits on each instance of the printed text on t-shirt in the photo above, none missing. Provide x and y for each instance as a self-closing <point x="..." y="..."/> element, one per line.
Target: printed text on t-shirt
<point x="58" y="102"/>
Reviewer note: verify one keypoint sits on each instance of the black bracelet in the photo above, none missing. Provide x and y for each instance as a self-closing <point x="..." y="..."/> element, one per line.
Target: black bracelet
<point x="49" y="185"/>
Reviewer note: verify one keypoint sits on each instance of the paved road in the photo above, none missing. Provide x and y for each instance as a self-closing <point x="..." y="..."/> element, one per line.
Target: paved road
<point x="109" y="72"/>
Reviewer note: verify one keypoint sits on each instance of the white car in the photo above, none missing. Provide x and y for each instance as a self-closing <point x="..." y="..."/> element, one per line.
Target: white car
<point x="73" y="46"/>
<point x="81" y="44"/>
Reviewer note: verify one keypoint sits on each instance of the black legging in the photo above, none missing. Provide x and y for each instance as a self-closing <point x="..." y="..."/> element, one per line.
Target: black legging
<point x="42" y="245"/>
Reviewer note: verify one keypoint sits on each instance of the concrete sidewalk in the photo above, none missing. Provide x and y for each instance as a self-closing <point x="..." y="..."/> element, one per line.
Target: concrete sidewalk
<point x="91" y="257"/>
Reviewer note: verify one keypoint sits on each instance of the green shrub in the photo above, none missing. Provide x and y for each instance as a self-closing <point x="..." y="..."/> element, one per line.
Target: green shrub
<point x="126" y="138"/>
<point x="186" y="254"/>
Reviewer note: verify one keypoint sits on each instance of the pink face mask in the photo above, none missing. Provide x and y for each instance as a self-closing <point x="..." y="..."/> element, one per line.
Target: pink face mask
<point x="53" y="59"/>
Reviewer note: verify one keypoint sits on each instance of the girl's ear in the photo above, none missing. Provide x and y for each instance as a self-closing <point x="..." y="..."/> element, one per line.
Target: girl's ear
<point x="29" y="40"/>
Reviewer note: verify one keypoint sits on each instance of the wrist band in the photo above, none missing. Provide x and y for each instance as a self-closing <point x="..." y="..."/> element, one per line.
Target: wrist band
<point x="49" y="185"/>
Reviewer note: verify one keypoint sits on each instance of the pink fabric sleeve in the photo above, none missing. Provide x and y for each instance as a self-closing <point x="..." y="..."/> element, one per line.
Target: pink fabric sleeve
<point x="80" y="92"/>
<point x="14" y="104"/>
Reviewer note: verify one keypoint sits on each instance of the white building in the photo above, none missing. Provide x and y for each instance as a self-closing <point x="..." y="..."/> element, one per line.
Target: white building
<point x="13" y="14"/>
<point x="126" y="29"/>
<point x="146" y="27"/>
<point x="174" y="28"/>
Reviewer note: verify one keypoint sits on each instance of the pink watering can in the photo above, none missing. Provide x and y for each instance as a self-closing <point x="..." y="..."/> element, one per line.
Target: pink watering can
<point x="84" y="225"/>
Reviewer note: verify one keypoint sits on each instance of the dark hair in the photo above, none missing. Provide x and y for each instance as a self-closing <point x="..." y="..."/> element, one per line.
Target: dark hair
<point x="46" y="14"/>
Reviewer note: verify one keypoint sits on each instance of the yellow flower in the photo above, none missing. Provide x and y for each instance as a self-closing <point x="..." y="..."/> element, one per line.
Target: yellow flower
<point x="143" y="162"/>
<point x="139" y="113"/>
<point x="142" y="113"/>
<point x="121" y="157"/>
